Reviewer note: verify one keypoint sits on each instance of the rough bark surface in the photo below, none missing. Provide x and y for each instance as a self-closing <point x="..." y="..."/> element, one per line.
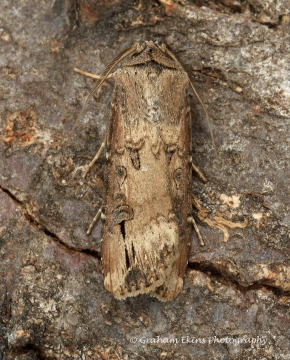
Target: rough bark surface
<point x="235" y="302"/>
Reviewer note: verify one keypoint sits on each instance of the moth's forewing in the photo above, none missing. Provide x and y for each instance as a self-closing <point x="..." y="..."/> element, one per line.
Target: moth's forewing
<point x="145" y="233"/>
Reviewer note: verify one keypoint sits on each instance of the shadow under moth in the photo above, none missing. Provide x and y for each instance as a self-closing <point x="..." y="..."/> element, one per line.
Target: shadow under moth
<point x="148" y="203"/>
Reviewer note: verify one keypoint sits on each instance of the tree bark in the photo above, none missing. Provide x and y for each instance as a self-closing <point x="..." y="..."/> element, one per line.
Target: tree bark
<point x="235" y="300"/>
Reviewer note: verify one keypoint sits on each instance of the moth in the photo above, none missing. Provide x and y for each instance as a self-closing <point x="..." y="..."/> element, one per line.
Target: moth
<point x="147" y="212"/>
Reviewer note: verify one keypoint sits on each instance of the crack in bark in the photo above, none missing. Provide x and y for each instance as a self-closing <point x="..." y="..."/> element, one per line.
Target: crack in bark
<point x="226" y="278"/>
<point x="257" y="12"/>
<point x="37" y="224"/>
<point x="30" y="350"/>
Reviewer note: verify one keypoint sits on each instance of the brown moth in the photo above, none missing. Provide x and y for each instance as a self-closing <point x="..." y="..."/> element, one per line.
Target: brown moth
<point x="147" y="209"/>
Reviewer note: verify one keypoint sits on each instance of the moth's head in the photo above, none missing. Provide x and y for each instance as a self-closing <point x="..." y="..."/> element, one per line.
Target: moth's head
<point x="151" y="51"/>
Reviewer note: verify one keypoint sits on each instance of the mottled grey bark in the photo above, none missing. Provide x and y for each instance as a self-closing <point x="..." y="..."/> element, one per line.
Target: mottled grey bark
<point x="53" y="302"/>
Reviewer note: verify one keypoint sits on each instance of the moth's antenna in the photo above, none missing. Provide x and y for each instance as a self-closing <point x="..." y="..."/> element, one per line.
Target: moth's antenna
<point x="197" y="96"/>
<point x="94" y="76"/>
<point x="104" y="76"/>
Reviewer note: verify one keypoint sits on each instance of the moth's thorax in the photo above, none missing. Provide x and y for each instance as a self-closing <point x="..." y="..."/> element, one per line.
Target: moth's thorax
<point x="152" y="92"/>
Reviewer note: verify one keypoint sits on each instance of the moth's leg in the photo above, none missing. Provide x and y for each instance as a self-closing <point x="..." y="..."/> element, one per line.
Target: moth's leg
<point x="192" y="221"/>
<point x="104" y="142"/>
<point x="98" y="154"/>
<point x="197" y="171"/>
<point x="95" y="219"/>
<point x="217" y="222"/>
